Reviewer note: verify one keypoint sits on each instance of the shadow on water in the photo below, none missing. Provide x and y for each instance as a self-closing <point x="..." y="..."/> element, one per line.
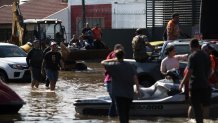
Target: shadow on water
<point x="44" y="106"/>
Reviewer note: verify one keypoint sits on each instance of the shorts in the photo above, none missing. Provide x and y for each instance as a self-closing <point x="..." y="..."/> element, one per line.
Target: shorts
<point x="202" y="96"/>
<point x="36" y="74"/>
<point x="52" y="74"/>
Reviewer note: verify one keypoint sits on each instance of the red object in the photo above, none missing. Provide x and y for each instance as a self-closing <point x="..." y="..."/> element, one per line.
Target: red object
<point x="97" y="33"/>
<point x="214" y="79"/>
<point x="10" y="101"/>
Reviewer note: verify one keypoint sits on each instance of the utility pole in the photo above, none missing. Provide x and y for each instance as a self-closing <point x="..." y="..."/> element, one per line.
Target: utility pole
<point x="84" y="12"/>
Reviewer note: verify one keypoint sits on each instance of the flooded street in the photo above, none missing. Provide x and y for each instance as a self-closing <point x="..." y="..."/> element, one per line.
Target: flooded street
<point x="57" y="107"/>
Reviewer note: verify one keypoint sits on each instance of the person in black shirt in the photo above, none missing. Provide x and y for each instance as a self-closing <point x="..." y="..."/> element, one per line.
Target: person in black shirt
<point x="199" y="71"/>
<point x="34" y="61"/>
<point x="88" y="36"/>
<point x="48" y="48"/>
<point x="52" y="62"/>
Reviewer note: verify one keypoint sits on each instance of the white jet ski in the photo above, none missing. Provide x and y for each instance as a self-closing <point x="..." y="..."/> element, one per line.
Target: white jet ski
<point x="161" y="99"/>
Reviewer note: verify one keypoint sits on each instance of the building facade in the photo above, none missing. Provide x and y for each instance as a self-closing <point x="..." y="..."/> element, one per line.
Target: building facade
<point x="109" y="14"/>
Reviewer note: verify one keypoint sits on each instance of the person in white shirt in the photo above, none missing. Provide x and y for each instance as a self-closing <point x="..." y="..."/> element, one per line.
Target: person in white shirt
<point x="171" y="61"/>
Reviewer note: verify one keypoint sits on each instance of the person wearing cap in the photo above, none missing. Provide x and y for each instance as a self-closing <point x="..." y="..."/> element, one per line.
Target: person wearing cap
<point x="171" y="61"/>
<point x="34" y="61"/>
<point x="52" y="62"/>
<point x="46" y="80"/>
<point x="139" y="46"/>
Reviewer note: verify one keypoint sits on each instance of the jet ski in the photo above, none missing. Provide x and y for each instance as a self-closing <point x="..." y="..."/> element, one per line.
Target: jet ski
<point x="161" y="99"/>
<point x="10" y="101"/>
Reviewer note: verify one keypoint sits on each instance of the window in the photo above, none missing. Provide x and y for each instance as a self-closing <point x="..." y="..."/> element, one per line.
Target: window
<point x="11" y="51"/>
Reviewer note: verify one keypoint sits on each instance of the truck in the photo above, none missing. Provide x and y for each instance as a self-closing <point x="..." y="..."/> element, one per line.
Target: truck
<point x="45" y="30"/>
<point x="27" y="30"/>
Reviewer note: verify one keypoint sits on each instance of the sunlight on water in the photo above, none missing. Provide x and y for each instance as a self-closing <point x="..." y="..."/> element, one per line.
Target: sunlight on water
<point x="44" y="106"/>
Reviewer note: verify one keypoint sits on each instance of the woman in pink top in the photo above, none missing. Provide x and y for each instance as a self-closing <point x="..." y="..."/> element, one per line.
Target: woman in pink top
<point x="108" y="82"/>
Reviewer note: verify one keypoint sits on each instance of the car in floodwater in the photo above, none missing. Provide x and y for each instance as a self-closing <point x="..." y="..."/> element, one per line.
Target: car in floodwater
<point x="13" y="64"/>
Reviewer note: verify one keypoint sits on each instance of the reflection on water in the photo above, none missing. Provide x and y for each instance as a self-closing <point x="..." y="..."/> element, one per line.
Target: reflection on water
<point x="57" y="107"/>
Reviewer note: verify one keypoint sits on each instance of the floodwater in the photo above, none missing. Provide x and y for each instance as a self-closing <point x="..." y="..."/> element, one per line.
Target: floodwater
<point x="57" y="107"/>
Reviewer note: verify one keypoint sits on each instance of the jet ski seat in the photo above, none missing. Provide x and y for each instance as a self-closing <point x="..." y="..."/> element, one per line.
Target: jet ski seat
<point x="160" y="89"/>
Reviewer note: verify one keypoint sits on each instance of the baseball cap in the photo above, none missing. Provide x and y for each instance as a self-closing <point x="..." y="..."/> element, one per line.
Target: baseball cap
<point x="53" y="43"/>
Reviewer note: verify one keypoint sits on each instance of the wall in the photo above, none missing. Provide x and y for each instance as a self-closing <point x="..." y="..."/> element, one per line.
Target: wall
<point x="92" y="12"/>
<point x="64" y="16"/>
<point x="78" y="2"/>
<point x="122" y="36"/>
<point x="128" y="15"/>
<point x="116" y="14"/>
<point x="88" y="2"/>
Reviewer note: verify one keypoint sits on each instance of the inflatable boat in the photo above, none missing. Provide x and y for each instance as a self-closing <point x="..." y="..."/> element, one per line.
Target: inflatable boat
<point x="161" y="99"/>
<point x="10" y="101"/>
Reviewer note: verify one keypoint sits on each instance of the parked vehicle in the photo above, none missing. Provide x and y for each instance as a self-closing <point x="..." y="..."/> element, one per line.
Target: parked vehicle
<point x="13" y="64"/>
<point x="149" y="72"/>
<point x="27" y="30"/>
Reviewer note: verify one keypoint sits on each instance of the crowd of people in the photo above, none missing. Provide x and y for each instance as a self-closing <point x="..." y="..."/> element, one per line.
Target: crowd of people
<point x="199" y="76"/>
<point x="45" y="61"/>
<point x="44" y="65"/>
<point x="200" y="69"/>
<point x="120" y="76"/>
<point x="90" y="38"/>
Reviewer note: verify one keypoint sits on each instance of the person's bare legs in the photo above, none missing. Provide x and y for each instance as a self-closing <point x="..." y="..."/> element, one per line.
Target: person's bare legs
<point x="190" y="112"/>
<point x="206" y="112"/>
<point x="33" y="83"/>
<point x="52" y="85"/>
<point x="36" y="84"/>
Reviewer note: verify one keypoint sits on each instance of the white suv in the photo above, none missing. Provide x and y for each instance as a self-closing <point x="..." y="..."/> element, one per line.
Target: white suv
<point x="13" y="64"/>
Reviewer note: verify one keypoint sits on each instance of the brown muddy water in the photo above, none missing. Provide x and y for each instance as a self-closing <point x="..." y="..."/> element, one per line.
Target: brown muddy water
<point x="57" y="107"/>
